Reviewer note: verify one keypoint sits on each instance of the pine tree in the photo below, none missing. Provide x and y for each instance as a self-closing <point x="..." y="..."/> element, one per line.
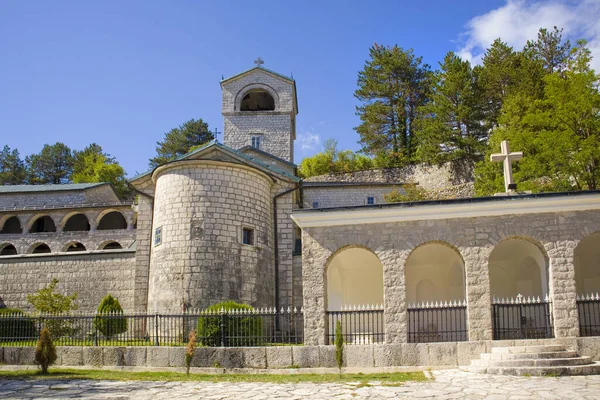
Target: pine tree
<point x="179" y="141"/>
<point x="391" y="86"/>
<point x="53" y="165"/>
<point x="12" y="168"/>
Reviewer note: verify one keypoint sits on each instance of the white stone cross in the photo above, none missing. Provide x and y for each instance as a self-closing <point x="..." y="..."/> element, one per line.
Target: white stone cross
<point x="258" y="62"/>
<point x="507" y="158"/>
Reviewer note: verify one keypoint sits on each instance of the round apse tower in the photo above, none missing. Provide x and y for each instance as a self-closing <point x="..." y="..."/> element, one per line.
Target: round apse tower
<point x="212" y="235"/>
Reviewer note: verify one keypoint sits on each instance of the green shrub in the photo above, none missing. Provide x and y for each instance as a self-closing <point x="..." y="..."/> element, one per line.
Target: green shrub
<point x="239" y="330"/>
<point x="189" y="351"/>
<point x="110" y="320"/>
<point x="48" y="301"/>
<point x="21" y="327"/>
<point x="339" y="346"/>
<point x="45" y="352"/>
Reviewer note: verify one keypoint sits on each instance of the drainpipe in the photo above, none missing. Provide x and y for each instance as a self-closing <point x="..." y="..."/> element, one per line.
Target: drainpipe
<point x="276" y="240"/>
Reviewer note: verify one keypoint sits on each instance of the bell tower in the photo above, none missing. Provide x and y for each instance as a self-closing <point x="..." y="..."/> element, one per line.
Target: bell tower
<point x="259" y="110"/>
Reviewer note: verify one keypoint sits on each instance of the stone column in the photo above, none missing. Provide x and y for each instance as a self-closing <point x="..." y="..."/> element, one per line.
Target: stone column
<point x="394" y="295"/>
<point x="314" y="262"/>
<point x="563" y="292"/>
<point x="142" y="254"/>
<point x="477" y="280"/>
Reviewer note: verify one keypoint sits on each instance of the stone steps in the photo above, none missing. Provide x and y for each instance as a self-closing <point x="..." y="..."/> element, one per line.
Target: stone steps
<point x="553" y="360"/>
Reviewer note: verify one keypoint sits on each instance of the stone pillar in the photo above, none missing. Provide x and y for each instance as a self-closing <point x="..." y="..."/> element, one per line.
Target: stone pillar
<point x="563" y="291"/>
<point x="314" y="262"/>
<point x="477" y="281"/>
<point x="142" y="254"/>
<point x="394" y="296"/>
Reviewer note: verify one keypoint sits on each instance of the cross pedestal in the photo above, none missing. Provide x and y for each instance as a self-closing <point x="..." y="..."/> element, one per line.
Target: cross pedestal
<point x="506" y="157"/>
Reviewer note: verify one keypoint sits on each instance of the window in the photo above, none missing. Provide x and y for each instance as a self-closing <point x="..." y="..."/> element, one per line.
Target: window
<point x="315" y="204"/>
<point x="370" y="200"/>
<point x="158" y="236"/>
<point x="248" y="236"/>
<point x="256" y="142"/>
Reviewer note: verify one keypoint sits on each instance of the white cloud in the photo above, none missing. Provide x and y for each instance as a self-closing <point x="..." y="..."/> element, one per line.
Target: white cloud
<point x="518" y="21"/>
<point x="308" y="140"/>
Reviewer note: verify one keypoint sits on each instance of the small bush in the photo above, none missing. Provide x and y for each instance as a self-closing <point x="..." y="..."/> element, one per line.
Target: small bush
<point x="189" y="351"/>
<point x="239" y="330"/>
<point x="339" y="346"/>
<point x="45" y="352"/>
<point x="20" y="327"/>
<point x="110" y="321"/>
<point x="48" y="301"/>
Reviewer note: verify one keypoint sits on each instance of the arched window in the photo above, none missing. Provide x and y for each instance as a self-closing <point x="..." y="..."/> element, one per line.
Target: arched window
<point x="43" y="224"/>
<point x="75" y="246"/>
<point x="8" y="250"/>
<point x="112" y="246"/>
<point x="77" y="222"/>
<point x="40" y="249"/>
<point x="112" y="220"/>
<point x="257" y="100"/>
<point x="12" y="225"/>
<point x="587" y="265"/>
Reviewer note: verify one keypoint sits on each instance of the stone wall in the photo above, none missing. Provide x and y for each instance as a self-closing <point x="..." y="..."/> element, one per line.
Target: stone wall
<point x="363" y="357"/>
<point x="91" y="274"/>
<point x="99" y="194"/>
<point x="201" y="208"/>
<point x="343" y="196"/>
<point x="474" y="238"/>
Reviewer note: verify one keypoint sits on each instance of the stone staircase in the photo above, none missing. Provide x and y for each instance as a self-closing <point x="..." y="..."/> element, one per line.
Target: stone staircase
<point x="547" y="360"/>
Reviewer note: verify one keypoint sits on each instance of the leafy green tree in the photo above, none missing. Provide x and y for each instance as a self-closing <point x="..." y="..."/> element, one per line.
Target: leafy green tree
<point x="54" y="165"/>
<point x="45" y="351"/>
<point x="93" y="165"/>
<point x="110" y="320"/>
<point x="332" y="160"/>
<point x="179" y="141"/>
<point x="12" y="168"/>
<point x="558" y="134"/>
<point x="48" y="301"/>
<point x="391" y="86"/>
<point x="449" y="128"/>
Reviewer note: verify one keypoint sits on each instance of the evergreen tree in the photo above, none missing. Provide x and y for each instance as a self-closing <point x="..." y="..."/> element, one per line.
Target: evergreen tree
<point x="12" y="168"/>
<point x="53" y="165"/>
<point x="449" y="128"/>
<point x="179" y="141"/>
<point x="549" y="49"/>
<point x="391" y="86"/>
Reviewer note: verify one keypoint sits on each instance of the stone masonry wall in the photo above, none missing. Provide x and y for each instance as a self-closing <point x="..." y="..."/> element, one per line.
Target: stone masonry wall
<point x="91" y="275"/>
<point x="343" y="196"/>
<point x="201" y="208"/>
<point x="556" y="233"/>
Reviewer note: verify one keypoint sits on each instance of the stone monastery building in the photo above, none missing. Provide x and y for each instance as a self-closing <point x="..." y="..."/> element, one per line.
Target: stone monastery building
<point x="233" y="220"/>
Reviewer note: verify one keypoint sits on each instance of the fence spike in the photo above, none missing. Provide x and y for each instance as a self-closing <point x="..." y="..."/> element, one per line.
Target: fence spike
<point x="547" y="299"/>
<point x="282" y="311"/>
<point x="597" y="296"/>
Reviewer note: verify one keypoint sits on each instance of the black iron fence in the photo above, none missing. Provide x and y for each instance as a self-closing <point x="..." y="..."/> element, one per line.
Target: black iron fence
<point x="588" y="307"/>
<point x="360" y="324"/>
<point x="444" y="321"/>
<point x="263" y="327"/>
<point x="522" y="318"/>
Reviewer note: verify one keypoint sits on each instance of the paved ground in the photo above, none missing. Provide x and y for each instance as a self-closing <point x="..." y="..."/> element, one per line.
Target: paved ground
<point x="448" y="384"/>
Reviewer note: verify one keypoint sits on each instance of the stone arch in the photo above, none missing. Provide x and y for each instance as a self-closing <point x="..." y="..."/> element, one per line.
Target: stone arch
<point x="75" y="222"/>
<point x="518" y="265"/>
<point x="39" y="248"/>
<point x="8" y="249"/>
<point x="110" y="245"/>
<point x="11" y="224"/>
<point x="41" y="223"/>
<point x="257" y="88"/>
<point x="73" y="246"/>
<point x="354" y="276"/>
<point x="587" y="264"/>
<point x="111" y="219"/>
<point x="441" y="266"/>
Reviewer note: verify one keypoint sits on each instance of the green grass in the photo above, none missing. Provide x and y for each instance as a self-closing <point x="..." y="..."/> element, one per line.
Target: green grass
<point x="392" y="379"/>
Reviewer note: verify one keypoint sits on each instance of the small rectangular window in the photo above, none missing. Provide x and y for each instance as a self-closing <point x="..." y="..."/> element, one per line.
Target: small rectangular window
<point x="158" y="236"/>
<point x="256" y="142"/>
<point x="315" y="204"/>
<point x="370" y="200"/>
<point x="248" y="236"/>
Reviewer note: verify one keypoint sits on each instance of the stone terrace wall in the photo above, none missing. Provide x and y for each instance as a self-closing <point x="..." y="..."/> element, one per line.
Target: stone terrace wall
<point x="91" y="275"/>
<point x="343" y="196"/>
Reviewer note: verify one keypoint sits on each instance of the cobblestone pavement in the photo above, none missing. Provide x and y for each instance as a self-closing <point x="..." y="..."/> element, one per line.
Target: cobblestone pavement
<point x="448" y="384"/>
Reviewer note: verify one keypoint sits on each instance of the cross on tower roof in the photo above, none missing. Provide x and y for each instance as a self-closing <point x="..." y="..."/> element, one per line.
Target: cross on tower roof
<point x="507" y="158"/>
<point x="258" y="62"/>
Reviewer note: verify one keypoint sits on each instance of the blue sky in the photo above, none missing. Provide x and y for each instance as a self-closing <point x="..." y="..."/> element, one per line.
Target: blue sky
<point x="122" y="73"/>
